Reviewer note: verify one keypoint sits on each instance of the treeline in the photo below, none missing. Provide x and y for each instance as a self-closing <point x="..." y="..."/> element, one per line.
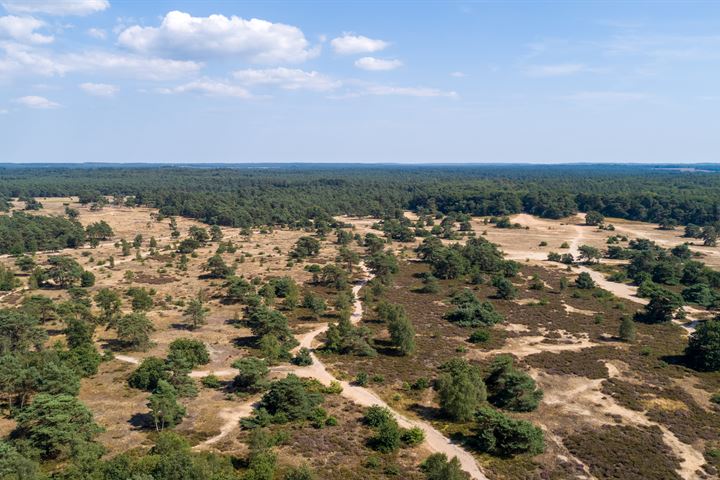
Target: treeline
<point x="244" y="196"/>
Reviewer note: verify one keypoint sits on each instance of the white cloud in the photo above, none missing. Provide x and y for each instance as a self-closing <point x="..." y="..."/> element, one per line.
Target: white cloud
<point x="34" y="101"/>
<point x="211" y="88"/>
<point x="599" y="97"/>
<point x="258" y="41"/>
<point x="23" y="29"/>
<point x="287" y="78"/>
<point x="99" y="89"/>
<point x="388" y="90"/>
<point x="4" y="111"/>
<point x="409" y="91"/>
<point x="558" y="70"/>
<point x="55" y="7"/>
<point x="458" y="74"/>
<point x="97" y="33"/>
<point x="350" y="44"/>
<point x="25" y="60"/>
<point x="377" y="64"/>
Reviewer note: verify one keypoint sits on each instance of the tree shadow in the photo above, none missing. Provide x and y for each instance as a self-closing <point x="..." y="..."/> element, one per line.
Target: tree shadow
<point x="426" y="412"/>
<point x="245" y="342"/>
<point x="141" y="421"/>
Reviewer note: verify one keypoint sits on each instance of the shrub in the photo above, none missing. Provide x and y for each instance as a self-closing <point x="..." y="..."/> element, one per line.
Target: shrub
<point x="148" y="373"/>
<point x="290" y="398"/>
<point x="437" y="467"/>
<point x="376" y="415"/>
<point x="211" y="381"/>
<point x="481" y="335"/>
<point x="412" y="437"/>
<point x="501" y="435"/>
<point x="302" y="358"/>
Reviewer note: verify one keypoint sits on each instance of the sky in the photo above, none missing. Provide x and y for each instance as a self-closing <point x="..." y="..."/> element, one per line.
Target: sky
<point x="202" y="81"/>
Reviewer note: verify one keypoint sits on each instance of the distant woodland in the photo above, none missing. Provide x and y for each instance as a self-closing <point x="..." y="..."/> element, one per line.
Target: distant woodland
<point x="243" y="195"/>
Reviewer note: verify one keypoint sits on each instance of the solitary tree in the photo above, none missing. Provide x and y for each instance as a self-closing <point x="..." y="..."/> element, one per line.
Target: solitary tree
<point x="461" y="390"/>
<point x="196" y="312"/>
<point x="402" y="333"/>
<point x="165" y="410"/>
<point x="703" y="350"/>
<point x="594" y="218"/>
<point x="627" y="329"/>
<point x="134" y="330"/>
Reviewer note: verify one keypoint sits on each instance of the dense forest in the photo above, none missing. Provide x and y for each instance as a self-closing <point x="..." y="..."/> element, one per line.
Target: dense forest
<point x="247" y="195"/>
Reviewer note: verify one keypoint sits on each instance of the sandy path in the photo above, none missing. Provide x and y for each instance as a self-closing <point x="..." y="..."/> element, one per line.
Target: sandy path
<point x="584" y="397"/>
<point x="232" y="417"/>
<point x="434" y="440"/>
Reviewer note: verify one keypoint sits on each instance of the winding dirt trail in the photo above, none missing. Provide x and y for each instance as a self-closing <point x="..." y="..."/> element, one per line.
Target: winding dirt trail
<point x="434" y="440"/>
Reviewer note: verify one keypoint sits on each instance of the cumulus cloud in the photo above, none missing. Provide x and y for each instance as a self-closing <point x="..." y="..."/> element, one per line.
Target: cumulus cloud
<point x="25" y="60"/>
<point x="559" y="70"/>
<point x="37" y="102"/>
<point x="212" y="88"/>
<point x="287" y="78"/>
<point x="377" y="64"/>
<point x="258" y="41"/>
<point x="350" y="44"/>
<point x="99" y="89"/>
<point x="23" y="29"/>
<point x="55" y="7"/>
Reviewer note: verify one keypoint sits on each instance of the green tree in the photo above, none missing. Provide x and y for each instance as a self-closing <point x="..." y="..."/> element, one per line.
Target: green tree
<point x="19" y="332"/>
<point x="141" y="300"/>
<point x="402" y="333"/>
<point x="63" y="271"/>
<point x="437" y="467"/>
<point x="584" y="281"/>
<point x="661" y="308"/>
<point x="510" y="388"/>
<point x="305" y="247"/>
<point x="589" y="253"/>
<point x="504" y="288"/>
<point x="387" y="436"/>
<point x="87" y="279"/>
<point x="14" y="466"/>
<point x="315" y="304"/>
<point x="217" y="268"/>
<point x="594" y="218"/>
<point x="196" y="312"/>
<point x="251" y="373"/>
<point x="501" y="435"/>
<point x="703" y="349"/>
<point x="184" y="354"/>
<point x="109" y="302"/>
<point x="165" y="410"/>
<point x="134" y="330"/>
<point x="57" y="425"/>
<point x="626" y="332"/>
<point x="147" y="375"/>
<point x="460" y="389"/>
<point x="290" y="398"/>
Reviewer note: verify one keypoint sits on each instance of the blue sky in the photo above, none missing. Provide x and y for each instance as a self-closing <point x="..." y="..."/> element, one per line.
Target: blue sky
<point x="359" y="81"/>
